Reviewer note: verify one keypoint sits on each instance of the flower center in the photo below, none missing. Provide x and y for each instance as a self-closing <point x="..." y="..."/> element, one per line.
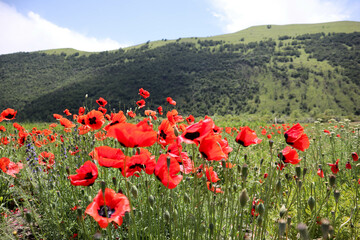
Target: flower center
<point x="192" y="136"/>
<point x="92" y="120"/>
<point x="106" y="209"/>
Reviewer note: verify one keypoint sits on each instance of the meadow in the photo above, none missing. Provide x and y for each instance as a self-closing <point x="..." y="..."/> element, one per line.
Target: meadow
<point x="155" y="174"/>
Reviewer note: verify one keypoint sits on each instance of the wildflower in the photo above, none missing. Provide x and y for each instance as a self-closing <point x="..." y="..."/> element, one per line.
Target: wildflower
<point x="8" y="114"/>
<point x="47" y="159"/>
<point x="145" y="94"/>
<point x="131" y="114"/>
<point x="108" y="157"/>
<point x="247" y="137"/>
<point x="170" y="101"/>
<point x="348" y="165"/>
<point x="102" y="102"/>
<point x="289" y="155"/>
<point x="103" y="110"/>
<point x="66" y="123"/>
<point x="94" y="119"/>
<point x="320" y="172"/>
<point x="334" y="167"/>
<point x="166" y="171"/>
<point x="166" y="134"/>
<point x="67" y="112"/>
<point x="141" y="103"/>
<point x="160" y="110"/>
<point x="142" y="161"/>
<point x="197" y="131"/>
<point x="10" y="167"/>
<point x="81" y="111"/>
<point x="213" y="188"/>
<point x="190" y="119"/>
<point x="108" y="207"/>
<point x="115" y="119"/>
<point x="212" y="147"/>
<point x="296" y="137"/>
<point x="86" y="175"/>
<point x="355" y="156"/>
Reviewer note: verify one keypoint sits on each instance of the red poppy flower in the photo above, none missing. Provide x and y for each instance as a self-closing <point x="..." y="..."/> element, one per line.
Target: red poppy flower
<point x="211" y="187"/>
<point x="197" y="131"/>
<point x="2" y="128"/>
<point x="175" y="148"/>
<point x="67" y="112"/>
<point x="355" y="156"/>
<point x="108" y="157"/>
<point x="186" y="164"/>
<point x="326" y="131"/>
<point x="86" y="175"/>
<point x="131" y="114"/>
<point x="81" y="119"/>
<point x="160" y="110"/>
<point x="173" y="117"/>
<point x="66" y="123"/>
<point x="263" y="132"/>
<point x="247" y="137"/>
<point x="320" y="172"/>
<point x="167" y="175"/>
<point x="190" y="119"/>
<point x="81" y="111"/>
<point x="102" y="102"/>
<point x="212" y="147"/>
<point x="141" y="103"/>
<point x="83" y="129"/>
<point x="103" y="110"/>
<point x="171" y="101"/>
<point x="115" y="119"/>
<point x="142" y="161"/>
<point x="166" y="133"/>
<point x="47" y="159"/>
<point x="334" y="167"/>
<point x="131" y="135"/>
<point x="57" y="116"/>
<point x="211" y="175"/>
<point x="10" y="167"/>
<point x="296" y="137"/>
<point x="113" y="209"/>
<point x="348" y="165"/>
<point x="151" y="113"/>
<point x="94" y="119"/>
<point x="8" y="114"/>
<point x="145" y="94"/>
<point x="289" y="155"/>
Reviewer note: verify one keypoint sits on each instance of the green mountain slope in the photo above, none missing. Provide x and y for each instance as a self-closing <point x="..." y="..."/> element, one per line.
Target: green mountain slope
<point x="298" y="70"/>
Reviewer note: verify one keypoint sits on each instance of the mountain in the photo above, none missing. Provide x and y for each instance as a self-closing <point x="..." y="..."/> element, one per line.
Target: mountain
<point x="309" y="70"/>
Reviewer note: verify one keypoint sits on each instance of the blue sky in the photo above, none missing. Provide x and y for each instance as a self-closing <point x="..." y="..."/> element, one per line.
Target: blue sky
<point x="110" y="24"/>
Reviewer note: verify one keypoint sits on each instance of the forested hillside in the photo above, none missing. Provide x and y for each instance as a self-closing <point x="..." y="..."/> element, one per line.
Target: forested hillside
<point x="309" y="74"/>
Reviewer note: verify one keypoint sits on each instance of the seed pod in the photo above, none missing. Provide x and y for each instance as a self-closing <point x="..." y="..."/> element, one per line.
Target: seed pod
<point x="261" y="209"/>
<point x="114" y="181"/>
<point x="282" y="227"/>
<point x="271" y="143"/>
<point x="278" y="186"/>
<point x="311" y="203"/>
<point x="243" y="198"/>
<point x="103" y="186"/>
<point x="244" y="171"/>
<point x="332" y="180"/>
<point x="211" y="227"/>
<point x="325" y="224"/>
<point x="134" y="191"/>
<point x="336" y="195"/>
<point x="299" y="184"/>
<point x="304" y="171"/>
<point x="298" y="171"/>
<point x="302" y="228"/>
<point x="151" y="200"/>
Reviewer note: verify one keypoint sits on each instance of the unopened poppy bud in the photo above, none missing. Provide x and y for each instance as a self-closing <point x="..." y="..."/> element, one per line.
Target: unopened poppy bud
<point x="243" y="198"/>
<point x="167" y="216"/>
<point x="244" y="171"/>
<point x="28" y="217"/>
<point x="176" y="131"/>
<point x="211" y="227"/>
<point x="186" y="198"/>
<point x="325" y="224"/>
<point x="332" y="180"/>
<point x="302" y="228"/>
<point x="261" y="161"/>
<point x="259" y="220"/>
<point x="223" y="163"/>
<point x="298" y="171"/>
<point x="68" y="170"/>
<point x="278" y="185"/>
<point x="245" y="157"/>
<point x="151" y="200"/>
<point x="304" y="171"/>
<point x="271" y="143"/>
<point x="282" y="227"/>
<point x="168" y="161"/>
<point x="114" y="181"/>
<point x="239" y="168"/>
<point x="311" y="202"/>
<point x="261" y="209"/>
<point x="134" y="191"/>
<point x="79" y="212"/>
<point x="336" y="195"/>
<point x="283" y="210"/>
<point x="103" y="186"/>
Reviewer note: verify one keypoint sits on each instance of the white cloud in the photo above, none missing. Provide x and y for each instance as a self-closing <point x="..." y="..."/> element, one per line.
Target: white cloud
<point x="236" y="15"/>
<point x="21" y="33"/>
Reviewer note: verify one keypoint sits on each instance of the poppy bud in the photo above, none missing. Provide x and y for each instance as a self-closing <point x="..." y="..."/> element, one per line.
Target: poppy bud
<point x="103" y="186"/>
<point x="332" y="180"/>
<point x="282" y="227"/>
<point x="261" y="161"/>
<point x="186" y="198"/>
<point x="325" y="224"/>
<point x="298" y="171"/>
<point x="259" y="220"/>
<point x="311" y="203"/>
<point x="336" y="195"/>
<point x="28" y="217"/>
<point x="176" y="131"/>
<point x="79" y="212"/>
<point x="168" y="161"/>
<point x="271" y="143"/>
<point x="151" y="200"/>
<point x="244" y="171"/>
<point x="278" y="185"/>
<point x="282" y="211"/>
<point x="68" y="170"/>
<point x="211" y="227"/>
<point x="134" y="191"/>
<point x="239" y="168"/>
<point x="304" y="171"/>
<point x="261" y="209"/>
<point x="167" y="216"/>
<point x="243" y="198"/>
<point x="302" y="228"/>
<point x="299" y="184"/>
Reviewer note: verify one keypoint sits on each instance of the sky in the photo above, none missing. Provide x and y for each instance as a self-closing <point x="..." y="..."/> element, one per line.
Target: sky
<point x="100" y="25"/>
